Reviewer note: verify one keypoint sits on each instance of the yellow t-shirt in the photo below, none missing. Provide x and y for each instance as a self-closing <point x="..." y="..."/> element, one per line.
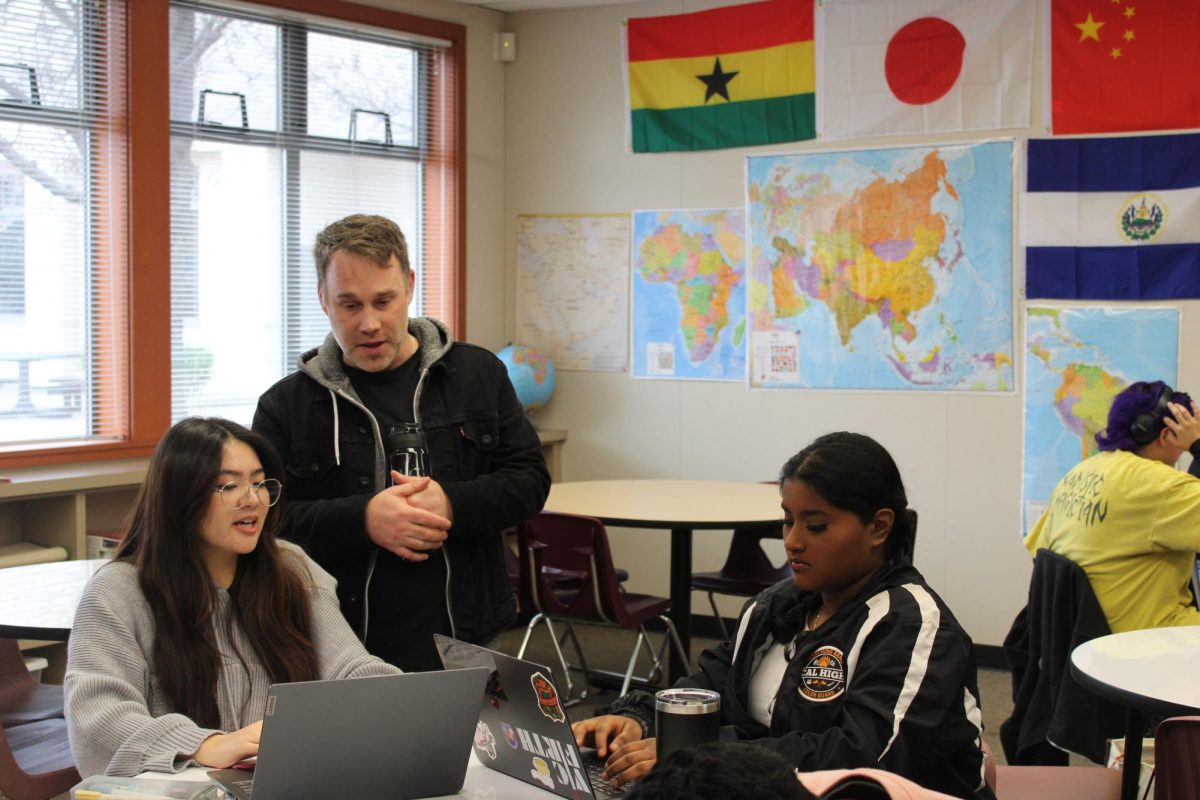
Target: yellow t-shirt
<point x="1133" y="524"/>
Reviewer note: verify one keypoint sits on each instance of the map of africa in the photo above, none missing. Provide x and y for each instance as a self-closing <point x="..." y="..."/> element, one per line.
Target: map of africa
<point x="572" y="288"/>
<point x="882" y="269"/>
<point x="689" y="294"/>
<point x="1076" y="360"/>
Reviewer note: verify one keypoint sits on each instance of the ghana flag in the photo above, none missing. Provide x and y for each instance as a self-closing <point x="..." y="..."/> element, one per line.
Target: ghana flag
<point x="727" y="77"/>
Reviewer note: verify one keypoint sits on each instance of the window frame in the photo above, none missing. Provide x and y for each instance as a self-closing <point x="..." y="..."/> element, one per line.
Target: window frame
<point x="141" y="92"/>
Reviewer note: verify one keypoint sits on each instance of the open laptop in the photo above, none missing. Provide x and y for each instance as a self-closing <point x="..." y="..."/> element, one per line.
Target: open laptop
<point x="392" y="737"/>
<point x="523" y="729"/>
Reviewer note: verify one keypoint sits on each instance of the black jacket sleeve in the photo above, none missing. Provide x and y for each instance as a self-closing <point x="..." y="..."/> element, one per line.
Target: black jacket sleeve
<point x="516" y="487"/>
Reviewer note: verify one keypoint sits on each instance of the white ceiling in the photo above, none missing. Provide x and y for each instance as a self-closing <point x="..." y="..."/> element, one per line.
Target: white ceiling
<point x="515" y="6"/>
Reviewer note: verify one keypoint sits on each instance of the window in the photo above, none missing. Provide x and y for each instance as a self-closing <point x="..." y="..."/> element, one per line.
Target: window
<point x="144" y="257"/>
<point x="61" y="163"/>
<point x="12" y="242"/>
<point x="281" y="124"/>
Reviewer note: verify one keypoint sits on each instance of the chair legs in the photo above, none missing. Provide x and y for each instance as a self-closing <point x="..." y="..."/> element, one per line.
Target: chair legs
<point x="656" y="669"/>
<point x="670" y="637"/>
<point x="562" y="660"/>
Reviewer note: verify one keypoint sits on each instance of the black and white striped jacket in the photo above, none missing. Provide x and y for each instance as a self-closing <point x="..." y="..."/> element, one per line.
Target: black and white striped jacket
<point x="888" y="682"/>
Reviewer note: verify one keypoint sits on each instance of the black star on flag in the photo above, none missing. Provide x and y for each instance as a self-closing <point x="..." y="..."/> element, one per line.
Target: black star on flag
<point x="717" y="82"/>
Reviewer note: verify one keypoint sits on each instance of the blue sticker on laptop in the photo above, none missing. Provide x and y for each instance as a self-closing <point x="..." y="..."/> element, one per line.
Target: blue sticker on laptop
<point x="510" y="735"/>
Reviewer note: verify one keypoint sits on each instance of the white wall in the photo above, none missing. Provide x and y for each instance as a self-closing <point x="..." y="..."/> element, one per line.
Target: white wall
<point x="960" y="455"/>
<point x="485" y="166"/>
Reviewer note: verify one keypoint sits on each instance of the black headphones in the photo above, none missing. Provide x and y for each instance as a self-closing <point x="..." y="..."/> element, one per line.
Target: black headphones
<point x="1146" y="425"/>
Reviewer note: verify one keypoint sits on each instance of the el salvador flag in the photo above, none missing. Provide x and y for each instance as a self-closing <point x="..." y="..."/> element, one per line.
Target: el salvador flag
<point x="1113" y="219"/>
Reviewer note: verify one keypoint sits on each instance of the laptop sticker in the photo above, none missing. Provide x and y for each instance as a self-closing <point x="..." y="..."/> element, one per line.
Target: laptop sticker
<point x="484" y="739"/>
<point x="541" y="773"/>
<point x="510" y="735"/>
<point x="824" y="676"/>
<point x="563" y="758"/>
<point x="494" y="691"/>
<point x="547" y="698"/>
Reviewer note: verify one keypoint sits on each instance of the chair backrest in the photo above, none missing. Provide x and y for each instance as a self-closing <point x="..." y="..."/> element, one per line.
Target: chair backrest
<point x="746" y="559"/>
<point x="1049" y="704"/>
<point x="1177" y="759"/>
<point x="554" y="545"/>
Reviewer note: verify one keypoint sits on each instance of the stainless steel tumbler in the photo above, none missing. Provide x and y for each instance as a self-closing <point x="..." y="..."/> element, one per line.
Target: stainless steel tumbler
<point x="685" y="717"/>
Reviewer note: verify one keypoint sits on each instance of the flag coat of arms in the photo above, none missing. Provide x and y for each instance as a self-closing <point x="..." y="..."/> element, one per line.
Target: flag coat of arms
<point x="726" y="77"/>
<point x="1124" y="65"/>
<point x="1113" y="219"/>
<point x="892" y="67"/>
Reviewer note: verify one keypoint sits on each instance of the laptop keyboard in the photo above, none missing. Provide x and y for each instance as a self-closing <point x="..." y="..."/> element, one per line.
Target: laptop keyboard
<point x="600" y="785"/>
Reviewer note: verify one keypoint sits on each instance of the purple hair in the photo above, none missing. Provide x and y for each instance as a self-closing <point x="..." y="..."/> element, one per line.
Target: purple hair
<point x="1136" y="398"/>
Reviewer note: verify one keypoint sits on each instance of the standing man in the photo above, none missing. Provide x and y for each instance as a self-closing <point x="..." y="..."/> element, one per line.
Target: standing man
<point x="412" y="556"/>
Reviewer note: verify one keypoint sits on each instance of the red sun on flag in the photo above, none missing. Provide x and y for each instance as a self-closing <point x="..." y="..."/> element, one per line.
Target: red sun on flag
<point x="923" y="60"/>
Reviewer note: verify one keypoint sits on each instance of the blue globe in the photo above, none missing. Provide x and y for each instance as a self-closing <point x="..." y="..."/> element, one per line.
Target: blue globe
<point x="531" y="373"/>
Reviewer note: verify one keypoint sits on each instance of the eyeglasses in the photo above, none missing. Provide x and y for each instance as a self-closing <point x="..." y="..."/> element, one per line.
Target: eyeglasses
<point x="234" y="493"/>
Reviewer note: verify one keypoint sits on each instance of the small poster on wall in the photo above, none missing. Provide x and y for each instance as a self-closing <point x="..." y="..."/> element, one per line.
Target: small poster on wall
<point x="573" y="288"/>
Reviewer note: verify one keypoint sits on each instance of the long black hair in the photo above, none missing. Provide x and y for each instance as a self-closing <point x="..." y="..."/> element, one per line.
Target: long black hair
<point x="853" y="472"/>
<point x="269" y="597"/>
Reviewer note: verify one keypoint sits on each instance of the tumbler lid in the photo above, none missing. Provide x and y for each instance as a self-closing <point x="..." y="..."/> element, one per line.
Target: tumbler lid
<point x="687" y="701"/>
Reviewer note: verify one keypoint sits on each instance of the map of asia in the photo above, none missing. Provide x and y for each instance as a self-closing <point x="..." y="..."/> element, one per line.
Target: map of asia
<point x="882" y="269"/>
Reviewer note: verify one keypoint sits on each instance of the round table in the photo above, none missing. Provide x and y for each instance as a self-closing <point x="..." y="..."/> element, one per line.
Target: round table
<point x="1149" y="672"/>
<point x="680" y="506"/>
<point x="38" y="601"/>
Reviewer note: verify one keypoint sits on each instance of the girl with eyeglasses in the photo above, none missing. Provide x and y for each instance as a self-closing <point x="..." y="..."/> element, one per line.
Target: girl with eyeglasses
<point x="176" y="641"/>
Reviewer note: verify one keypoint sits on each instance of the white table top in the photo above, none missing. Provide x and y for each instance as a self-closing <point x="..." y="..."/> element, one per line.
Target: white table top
<point x="480" y="782"/>
<point x="1154" y="670"/>
<point x="669" y="503"/>
<point x="38" y="601"/>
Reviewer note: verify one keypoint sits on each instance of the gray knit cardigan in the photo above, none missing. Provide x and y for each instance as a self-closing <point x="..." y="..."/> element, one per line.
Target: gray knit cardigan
<point x="119" y="722"/>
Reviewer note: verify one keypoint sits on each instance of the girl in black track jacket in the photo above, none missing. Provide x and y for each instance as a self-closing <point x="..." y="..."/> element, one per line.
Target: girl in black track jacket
<point x="854" y="662"/>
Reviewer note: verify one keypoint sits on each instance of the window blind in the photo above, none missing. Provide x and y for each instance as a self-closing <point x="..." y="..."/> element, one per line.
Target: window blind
<point x="281" y="124"/>
<point x="63" y="249"/>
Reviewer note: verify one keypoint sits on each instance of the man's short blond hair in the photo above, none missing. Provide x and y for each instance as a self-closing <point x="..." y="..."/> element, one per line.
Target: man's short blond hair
<point x="367" y="235"/>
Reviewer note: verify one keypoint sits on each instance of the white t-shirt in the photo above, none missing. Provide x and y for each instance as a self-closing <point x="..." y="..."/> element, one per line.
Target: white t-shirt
<point x="764" y="683"/>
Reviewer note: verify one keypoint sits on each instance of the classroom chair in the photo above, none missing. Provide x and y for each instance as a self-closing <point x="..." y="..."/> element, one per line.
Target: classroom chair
<point x="553" y="543"/>
<point x="1177" y="759"/>
<point x="35" y="760"/>
<point x="747" y="570"/>
<point x="1049" y="705"/>
<point x="23" y="698"/>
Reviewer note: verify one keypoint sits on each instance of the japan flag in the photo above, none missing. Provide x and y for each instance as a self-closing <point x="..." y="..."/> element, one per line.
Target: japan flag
<point x="894" y="67"/>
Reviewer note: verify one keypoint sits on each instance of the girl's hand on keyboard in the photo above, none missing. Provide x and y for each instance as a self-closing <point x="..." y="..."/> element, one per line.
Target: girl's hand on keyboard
<point x="606" y="733"/>
<point x="632" y="761"/>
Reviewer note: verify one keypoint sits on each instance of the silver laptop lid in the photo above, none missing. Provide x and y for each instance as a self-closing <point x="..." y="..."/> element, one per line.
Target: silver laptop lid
<point x="392" y="737"/>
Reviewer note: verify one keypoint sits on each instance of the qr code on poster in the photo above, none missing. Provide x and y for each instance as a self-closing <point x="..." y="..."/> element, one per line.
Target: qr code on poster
<point x="784" y="358"/>
<point x="664" y="360"/>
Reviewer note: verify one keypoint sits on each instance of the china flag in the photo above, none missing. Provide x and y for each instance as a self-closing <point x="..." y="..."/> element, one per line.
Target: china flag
<point x="1124" y="65"/>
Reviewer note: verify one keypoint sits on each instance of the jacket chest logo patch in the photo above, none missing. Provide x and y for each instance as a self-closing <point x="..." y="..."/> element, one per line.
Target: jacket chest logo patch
<point x="824" y="676"/>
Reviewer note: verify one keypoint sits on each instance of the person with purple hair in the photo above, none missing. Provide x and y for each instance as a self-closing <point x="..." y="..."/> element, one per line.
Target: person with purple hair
<point x="1128" y="517"/>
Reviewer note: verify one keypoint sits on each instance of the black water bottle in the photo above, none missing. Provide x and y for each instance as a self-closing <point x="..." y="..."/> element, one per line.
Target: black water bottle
<point x="406" y="450"/>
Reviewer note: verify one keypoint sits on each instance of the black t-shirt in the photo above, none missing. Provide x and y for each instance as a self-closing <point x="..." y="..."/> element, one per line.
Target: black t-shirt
<point x="407" y="598"/>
